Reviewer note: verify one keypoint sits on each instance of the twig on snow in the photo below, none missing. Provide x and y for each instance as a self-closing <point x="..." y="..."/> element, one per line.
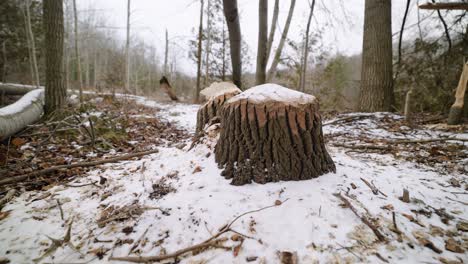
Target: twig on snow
<point x="364" y="219"/>
<point x="60" y="208"/>
<point x="213" y="241"/>
<point x="373" y="188"/>
<point x="7" y="197"/>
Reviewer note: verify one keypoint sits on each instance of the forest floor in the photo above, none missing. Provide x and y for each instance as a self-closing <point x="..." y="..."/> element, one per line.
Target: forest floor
<point x="167" y="201"/>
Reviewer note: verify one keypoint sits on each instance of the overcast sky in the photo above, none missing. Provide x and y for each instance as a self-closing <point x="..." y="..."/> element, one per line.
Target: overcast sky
<point x="150" y="19"/>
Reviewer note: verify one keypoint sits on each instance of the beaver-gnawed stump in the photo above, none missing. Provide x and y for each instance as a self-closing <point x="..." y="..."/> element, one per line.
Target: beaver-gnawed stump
<point x="270" y="133"/>
<point x="217" y="94"/>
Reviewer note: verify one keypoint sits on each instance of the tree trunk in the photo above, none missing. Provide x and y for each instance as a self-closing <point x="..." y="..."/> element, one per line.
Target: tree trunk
<point x="232" y="19"/>
<point x="208" y="39"/>
<point x="199" y="53"/>
<point x="306" y="49"/>
<point x="217" y="94"/>
<point x="32" y="45"/>
<point x="55" y="90"/>
<point x="27" y="110"/>
<point x="166" y="52"/>
<point x="77" y="52"/>
<point x="271" y="37"/>
<point x="223" y="74"/>
<point x="265" y="138"/>
<point x="376" y="77"/>
<point x="164" y="84"/>
<point x="456" y="110"/>
<point x="260" y="75"/>
<point x="127" y="51"/>
<point x="279" y="50"/>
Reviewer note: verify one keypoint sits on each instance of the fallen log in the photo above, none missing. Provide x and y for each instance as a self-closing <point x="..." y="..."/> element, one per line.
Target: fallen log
<point x="16" y="89"/>
<point x="27" y="110"/>
<point x="74" y="165"/>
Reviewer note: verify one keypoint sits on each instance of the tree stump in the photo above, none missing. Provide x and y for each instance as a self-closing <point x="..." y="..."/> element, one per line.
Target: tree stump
<point x="217" y="94"/>
<point x="270" y="133"/>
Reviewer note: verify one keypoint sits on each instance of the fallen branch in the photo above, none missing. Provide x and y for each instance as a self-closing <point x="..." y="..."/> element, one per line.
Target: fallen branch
<point x="210" y="242"/>
<point x="415" y="141"/>
<point x="75" y="165"/>
<point x="347" y="119"/>
<point x="373" y="188"/>
<point x="377" y="147"/>
<point x="364" y="219"/>
<point x="7" y="197"/>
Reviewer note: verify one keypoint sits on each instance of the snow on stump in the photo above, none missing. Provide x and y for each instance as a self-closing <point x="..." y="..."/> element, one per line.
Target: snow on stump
<point x="217" y="94"/>
<point x="270" y="133"/>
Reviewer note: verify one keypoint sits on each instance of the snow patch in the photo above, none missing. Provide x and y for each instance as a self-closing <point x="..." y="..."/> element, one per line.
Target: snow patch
<point x="273" y="93"/>
<point x="218" y="88"/>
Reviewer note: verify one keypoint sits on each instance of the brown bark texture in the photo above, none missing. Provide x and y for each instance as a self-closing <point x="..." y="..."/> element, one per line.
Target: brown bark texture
<point x="55" y="90"/>
<point x="271" y="141"/>
<point x="210" y="111"/>
<point x="231" y="13"/>
<point x="376" y="77"/>
<point x="456" y="110"/>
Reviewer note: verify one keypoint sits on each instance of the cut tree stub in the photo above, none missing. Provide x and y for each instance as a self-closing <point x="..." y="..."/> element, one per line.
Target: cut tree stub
<point x="217" y="94"/>
<point x="270" y="133"/>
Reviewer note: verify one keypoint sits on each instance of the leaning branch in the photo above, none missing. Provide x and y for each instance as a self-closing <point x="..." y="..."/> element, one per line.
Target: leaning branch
<point x="74" y="165"/>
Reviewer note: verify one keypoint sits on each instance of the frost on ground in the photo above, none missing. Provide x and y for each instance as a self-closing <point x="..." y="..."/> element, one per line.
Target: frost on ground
<point x="176" y="198"/>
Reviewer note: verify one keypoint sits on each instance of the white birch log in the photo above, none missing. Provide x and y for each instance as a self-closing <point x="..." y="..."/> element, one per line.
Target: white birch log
<point x="25" y="111"/>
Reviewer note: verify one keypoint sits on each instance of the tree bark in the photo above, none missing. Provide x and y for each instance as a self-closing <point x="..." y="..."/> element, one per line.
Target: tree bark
<point x="269" y="140"/>
<point x="77" y="52"/>
<point x="456" y="110"/>
<point x="306" y="48"/>
<point x="232" y="19"/>
<point x="32" y="45"/>
<point x="211" y="110"/>
<point x="260" y="75"/>
<point x="166" y="52"/>
<point x="279" y="50"/>
<point x="207" y="48"/>
<point x="376" y="92"/>
<point x="445" y="6"/>
<point x="127" y="51"/>
<point x="271" y="37"/>
<point x="199" y="54"/>
<point x="55" y="90"/>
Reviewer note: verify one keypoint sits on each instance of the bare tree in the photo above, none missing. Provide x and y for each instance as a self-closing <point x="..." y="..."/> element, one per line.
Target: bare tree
<point x="271" y="37"/>
<point x="232" y="19"/>
<point x="306" y="48"/>
<point x="260" y="76"/>
<point x="127" y="51"/>
<point x="31" y="44"/>
<point x="55" y="90"/>
<point x="279" y="50"/>
<point x="166" y="52"/>
<point x="208" y="39"/>
<point x="199" y="53"/>
<point x="376" y="92"/>
<point x="77" y="52"/>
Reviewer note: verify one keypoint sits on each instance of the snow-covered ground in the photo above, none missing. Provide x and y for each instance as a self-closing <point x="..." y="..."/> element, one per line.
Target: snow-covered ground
<point x="179" y="199"/>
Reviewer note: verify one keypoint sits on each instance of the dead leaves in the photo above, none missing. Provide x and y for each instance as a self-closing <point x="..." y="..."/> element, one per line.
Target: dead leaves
<point x="454" y="246"/>
<point x="4" y="215"/>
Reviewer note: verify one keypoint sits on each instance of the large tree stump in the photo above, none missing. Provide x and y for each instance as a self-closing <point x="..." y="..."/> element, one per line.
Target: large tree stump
<point x="270" y="133"/>
<point x="217" y="94"/>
